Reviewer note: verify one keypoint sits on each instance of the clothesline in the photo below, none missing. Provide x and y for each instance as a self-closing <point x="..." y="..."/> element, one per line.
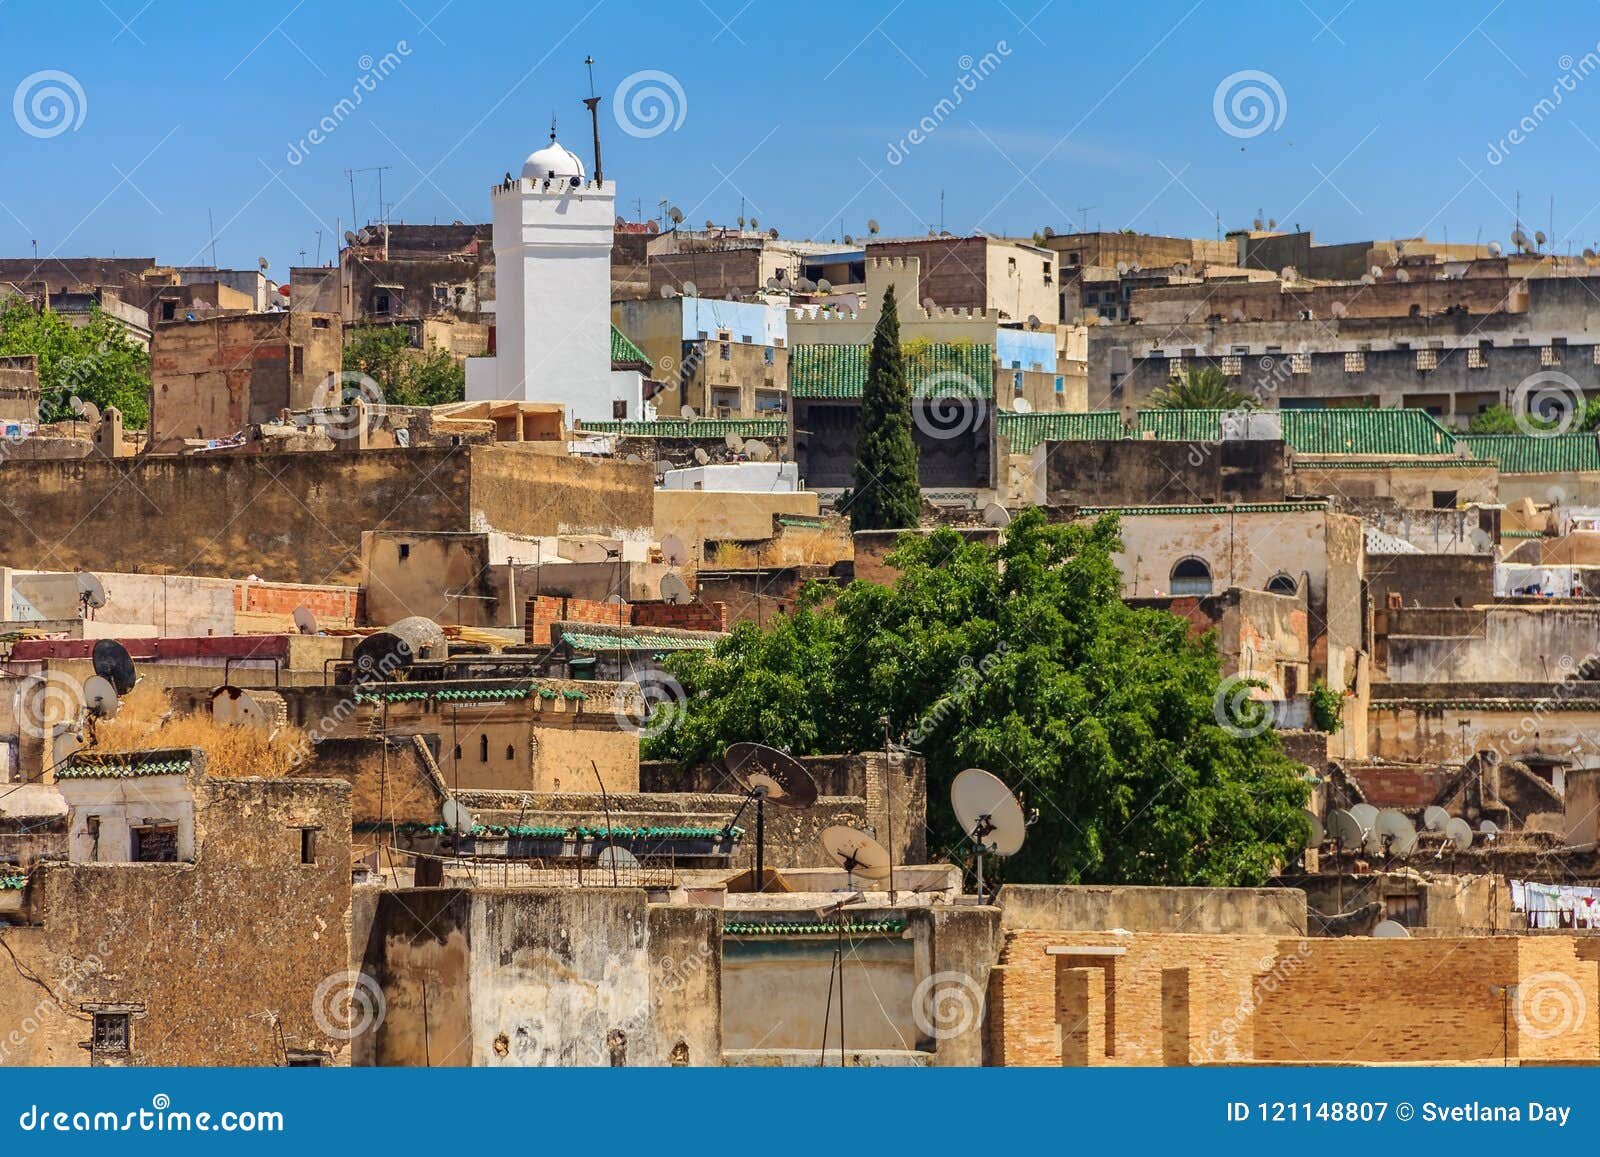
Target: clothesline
<point x="1556" y="905"/>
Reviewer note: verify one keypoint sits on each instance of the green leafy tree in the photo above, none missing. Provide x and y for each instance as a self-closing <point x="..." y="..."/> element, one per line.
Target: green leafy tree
<point x="96" y="361"/>
<point x="1494" y="420"/>
<point x="1021" y="658"/>
<point x="407" y="376"/>
<point x="885" y="494"/>
<point x="1200" y="389"/>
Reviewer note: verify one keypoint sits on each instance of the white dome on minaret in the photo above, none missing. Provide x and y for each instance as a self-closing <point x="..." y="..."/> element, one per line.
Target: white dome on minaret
<point x="554" y="160"/>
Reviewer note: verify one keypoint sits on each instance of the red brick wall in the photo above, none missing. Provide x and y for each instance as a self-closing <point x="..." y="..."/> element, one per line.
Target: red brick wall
<point x="340" y="604"/>
<point x="543" y="610"/>
<point x="1401" y="786"/>
<point x="684" y="617"/>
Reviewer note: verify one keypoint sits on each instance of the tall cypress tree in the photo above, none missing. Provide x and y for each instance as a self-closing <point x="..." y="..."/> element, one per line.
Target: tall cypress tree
<point x="885" y="495"/>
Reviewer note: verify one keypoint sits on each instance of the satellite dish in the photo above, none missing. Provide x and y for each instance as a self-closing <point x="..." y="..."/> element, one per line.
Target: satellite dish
<point x="710" y="224"/>
<point x="688" y="413"/>
<point x="1376" y="271"/>
<point x="1489" y="828"/>
<point x="1314" y="832"/>
<point x="733" y="293"/>
<point x="733" y="442"/>
<point x="100" y="697"/>
<point x="758" y="451"/>
<point x="1122" y="268"/>
<point x="1365" y="814"/>
<point x="1434" y="818"/>
<point x="1289" y="273"/>
<point x="1390" y="930"/>
<point x="457" y="817"/>
<point x="1033" y="321"/>
<point x="1367" y="279"/>
<point x="380" y="655"/>
<point x="423" y="636"/>
<point x="91" y="413"/>
<point x="91" y="591"/>
<point x="701" y="456"/>
<point x="675" y="214"/>
<point x="590" y="552"/>
<point x="616" y="600"/>
<point x="304" y="620"/>
<point x="675" y="591"/>
<point x="996" y="515"/>
<point x="824" y="285"/>
<point x="774" y="283"/>
<point x="611" y="856"/>
<point x="112" y="661"/>
<point x="1539" y="237"/>
<point x="1401" y="275"/>
<point x="1346" y="830"/>
<point x="349" y="237"/>
<point x="236" y="705"/>
<point x="75" y="404"/>
<point x="856" y="852"/>
<point x="1399" y="831"/>
<point x="690" y="289"/>
<point x="668" y="291"/>
<point x="770" y="774"/>
<point x="849" y="240"/>
<point x="1021" y="406"/>
<point x="872" y="226"/>
<point x="1339" y="309"/>
<point x="988" y="812"/>
<point x="673" y="552"/>
<point x="1495" y="249"/>
<point x="1459" y="832"/>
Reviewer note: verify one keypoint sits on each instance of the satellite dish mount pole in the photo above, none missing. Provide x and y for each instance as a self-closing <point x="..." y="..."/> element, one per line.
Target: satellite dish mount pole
<point x="980" y="830"/>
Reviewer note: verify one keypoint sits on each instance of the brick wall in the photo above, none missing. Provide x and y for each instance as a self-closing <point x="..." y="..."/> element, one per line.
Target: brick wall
<point x="544" y="610"/>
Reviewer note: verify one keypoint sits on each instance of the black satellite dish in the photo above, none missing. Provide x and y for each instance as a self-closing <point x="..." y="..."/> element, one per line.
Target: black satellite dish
<point x="381" y="655"/>
<point x="112" y="662"/>
<point x="768" y="776"/>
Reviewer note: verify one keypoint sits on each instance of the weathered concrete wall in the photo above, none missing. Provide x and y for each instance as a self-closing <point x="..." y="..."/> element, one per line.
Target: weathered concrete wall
<point x="220" y="960"/>
<point x="1129" y="472"/>
<point x="1512" y="644"/>
<point x="1232" y="911"/>
<point x="298" y="517"/>
<point x="1444" y="722"/>
<point x="1420" y="485"/>
<point x="1430" y="580"/>
<point x="697" y="516"/>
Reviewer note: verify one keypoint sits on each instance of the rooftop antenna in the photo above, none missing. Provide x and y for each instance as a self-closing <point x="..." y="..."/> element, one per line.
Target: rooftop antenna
<point x="211" y="227"/>
<point x="767" y="774"/>
<point x="592" y="103"/>
<point x="990" y="814"/>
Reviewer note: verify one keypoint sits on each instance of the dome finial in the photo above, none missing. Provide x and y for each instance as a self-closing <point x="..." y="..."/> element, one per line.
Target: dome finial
<point x="552" y="128"/>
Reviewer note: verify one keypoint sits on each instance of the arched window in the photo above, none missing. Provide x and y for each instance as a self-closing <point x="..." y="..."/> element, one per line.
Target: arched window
<point x="1191" y="577"/>
<point x="1281" y="584"/>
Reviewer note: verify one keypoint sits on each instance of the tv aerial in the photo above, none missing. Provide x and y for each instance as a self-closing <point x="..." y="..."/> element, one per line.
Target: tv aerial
<point x="112" y="662"/>
<point x="675" y="591"/>
<point x="305" y="621"/>
<point x="857" y="853"/>
<point x="767" y="775"/>
<point x="989" y="814"/>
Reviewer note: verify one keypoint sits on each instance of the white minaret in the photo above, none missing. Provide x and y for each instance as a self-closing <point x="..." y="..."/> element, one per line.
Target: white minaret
<point x="553" y="229"/>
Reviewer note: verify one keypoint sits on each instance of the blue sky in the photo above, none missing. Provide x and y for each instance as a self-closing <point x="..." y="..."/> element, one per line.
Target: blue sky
<point x="1382" y="117"/>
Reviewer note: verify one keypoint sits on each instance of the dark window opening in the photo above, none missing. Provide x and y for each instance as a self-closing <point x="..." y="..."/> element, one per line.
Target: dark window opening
<point x="1444" y="499"/>
<point x="1191" y="577"/>
<point x="111" y="1032"/>
<point x="169" y="310"/>
<point x="297" y="357"/>
<point x="511" y="751"/>
<point x="483" y="749"/>
<point x="1281" y="584"/>
<point x="156" y="844"/>
<point x="308" y="845"/>
<point x="405" y="551"/>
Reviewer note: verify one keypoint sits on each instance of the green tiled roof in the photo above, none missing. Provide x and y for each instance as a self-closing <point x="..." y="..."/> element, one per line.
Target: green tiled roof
<point x="596" y="641"/>
<point x="123" y="769"/>
<point x="811" y="927"/>
<point x="718" y="428"/>
<point x="547" y="831"/>
<point x="449" y="695"/>
<point x="1523" y="454"/>
<point x="13" y="883"/>
<point x="941" y="369"/>
<point x="1389" y="433"/>
<point x="623" y="350"/>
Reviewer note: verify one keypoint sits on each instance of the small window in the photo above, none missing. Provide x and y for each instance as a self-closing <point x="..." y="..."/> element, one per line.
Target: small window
<point x="1428" y="359"/>
<point x="308" y="845"/>
<point x="1281" y="584"/>
<point x="169" y="310"/>
<point x="1549" y="356"/>
<point x="1191" y="577"/>
<point x="1355" y="362"/>
<point x="380" y="304"/>
<point x="483" y="749"/>
<point x="405" y="551"/>
<point x="1232" y="365"/>
<point x="619" y="410"/>
<point x="725" y="351"/>
<point x="458" y="751"/>
<point x="296" y="1059"/>
<point x="1061" y="385"/>
<point x="319" y="323"/>
<point x="1478" y="360"/>
<point x="769" y="355"/>
<point x="111" y="1033"/>
<point x="1299" y="363"/>
<point x="511" y="751"/>
<point x="1444" y="499"/>
<point x="156" y="844"/>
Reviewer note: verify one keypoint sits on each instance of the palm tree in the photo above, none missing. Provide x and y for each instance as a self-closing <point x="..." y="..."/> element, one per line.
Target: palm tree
<point x="1200" y="389"/>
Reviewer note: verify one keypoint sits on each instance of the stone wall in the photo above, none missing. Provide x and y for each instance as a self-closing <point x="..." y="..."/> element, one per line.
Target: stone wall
<point x="1131" y="472"/>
